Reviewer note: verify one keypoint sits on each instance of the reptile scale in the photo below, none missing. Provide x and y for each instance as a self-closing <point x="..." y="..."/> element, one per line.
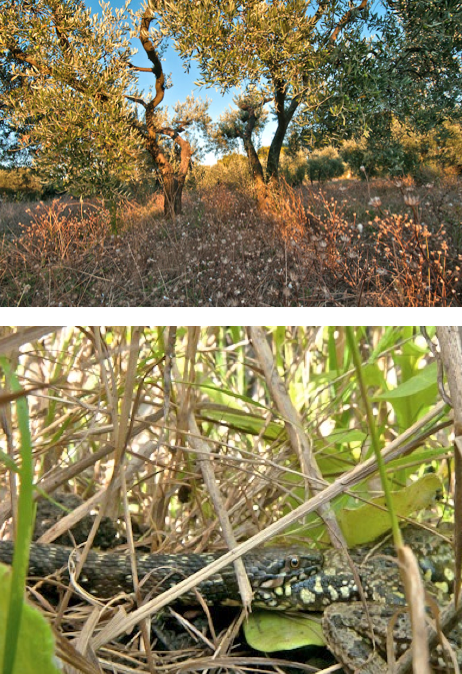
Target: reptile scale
<point x="290" y="579"/>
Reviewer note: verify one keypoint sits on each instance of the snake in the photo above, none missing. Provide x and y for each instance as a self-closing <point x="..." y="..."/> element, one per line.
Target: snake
<point x="282" y="578"/>
<point x="335" y="582"/>
<point x="107" y="574"/>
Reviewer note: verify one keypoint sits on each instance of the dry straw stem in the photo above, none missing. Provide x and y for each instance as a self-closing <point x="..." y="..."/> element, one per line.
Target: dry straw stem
<point x="143" y="454"/>
<point x="203" y="459"/>
<point x="228" y="663"/>
<point x="76" y="661"/>
<point x="119" y="440"/>
<point x="24" y="336"/>
<point x="415" y="593"/>
<point x="231" y="662"/>
<point x="294" y="426"/>
<point x="202" y="448"/>
<point x="346" y="481"/>
<point x="450" y="339"/>
<point x="62" y="476"/>
<point x="144" y="624"/>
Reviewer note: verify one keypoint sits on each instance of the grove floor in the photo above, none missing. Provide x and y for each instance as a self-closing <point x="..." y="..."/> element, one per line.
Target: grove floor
<point x="345" y="243"/>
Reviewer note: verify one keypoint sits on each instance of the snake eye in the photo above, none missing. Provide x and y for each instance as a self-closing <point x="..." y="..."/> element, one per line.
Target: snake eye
<point x="294" y="562"/>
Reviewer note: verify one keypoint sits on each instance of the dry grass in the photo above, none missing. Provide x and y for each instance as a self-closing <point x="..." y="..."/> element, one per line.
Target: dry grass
<point x="343" y="244"/>
<point x="101" y="384"/>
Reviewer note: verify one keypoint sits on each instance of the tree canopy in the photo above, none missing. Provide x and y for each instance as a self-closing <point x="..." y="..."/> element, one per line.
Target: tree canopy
<point x="80" y="95"/>
<point x="70" y="89"/>
<point x="326" y="64"/>
<point x="408" y="69"/>
<point x="278" y="48"/>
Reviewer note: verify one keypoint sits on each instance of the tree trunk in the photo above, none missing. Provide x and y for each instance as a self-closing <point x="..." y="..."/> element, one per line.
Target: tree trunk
<point x="284" y="116"/>
<point x="173" y="178"/>
<point x="272" y="166"/>
<point x="256" y="168"/>
<point x="173" y="191"/>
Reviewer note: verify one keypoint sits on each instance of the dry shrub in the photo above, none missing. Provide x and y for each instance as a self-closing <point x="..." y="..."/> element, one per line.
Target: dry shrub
<point x="54" y="235"/>
<point x="423" y="271"/>
<point x="393" y="261"/>
<point x="57" y="256"/>
<point x="303" y="249"/>
<point x="285" y="205"/>
<point x="400" y="261"/>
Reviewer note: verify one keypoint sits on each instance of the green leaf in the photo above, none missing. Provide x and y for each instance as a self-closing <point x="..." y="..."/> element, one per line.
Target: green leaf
<point x="345" y="436"/>
<point x="271" y="631"/>
<point x="14" y="597"/>
<point x="366" y="523"/>
<point x="420" y="382"/>
<point x="35" y="654"/>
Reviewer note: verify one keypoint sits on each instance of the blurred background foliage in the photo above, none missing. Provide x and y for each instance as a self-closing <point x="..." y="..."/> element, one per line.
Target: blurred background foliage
<point x="116" y="396"/>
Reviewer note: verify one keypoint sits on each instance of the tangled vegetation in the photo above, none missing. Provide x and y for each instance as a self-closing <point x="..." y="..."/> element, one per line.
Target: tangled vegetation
<point x="379" y="242"/>
<point x="189" y="437"/>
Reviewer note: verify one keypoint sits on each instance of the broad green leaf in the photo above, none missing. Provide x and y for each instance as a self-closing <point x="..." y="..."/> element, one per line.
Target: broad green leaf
<point x="366" y="523"/>
<point x="35" y="653"/>
<point x="420" y="382"/>
<point x="271" y="631"/>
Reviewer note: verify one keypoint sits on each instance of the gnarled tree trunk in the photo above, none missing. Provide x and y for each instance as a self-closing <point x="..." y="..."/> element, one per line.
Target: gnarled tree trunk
<point x="173" y="190"/>
<point x="173" y="178"/>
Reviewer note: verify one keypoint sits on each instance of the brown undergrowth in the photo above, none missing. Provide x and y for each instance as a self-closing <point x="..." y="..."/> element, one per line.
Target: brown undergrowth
<point x="392" y="260"/>
<point x="106" y="383"/>
<point x="333" y="245"/>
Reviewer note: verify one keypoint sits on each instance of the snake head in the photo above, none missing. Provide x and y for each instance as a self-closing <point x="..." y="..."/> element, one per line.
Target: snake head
<point x="290" y="568"/>
<point x="282" y="573"/>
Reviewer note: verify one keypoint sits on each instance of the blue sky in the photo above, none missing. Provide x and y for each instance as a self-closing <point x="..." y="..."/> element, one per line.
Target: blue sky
<point x="183" y="83"/>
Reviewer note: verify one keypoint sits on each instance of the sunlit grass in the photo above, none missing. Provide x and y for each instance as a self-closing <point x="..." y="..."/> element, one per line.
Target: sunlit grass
<point x="387" y="243"/>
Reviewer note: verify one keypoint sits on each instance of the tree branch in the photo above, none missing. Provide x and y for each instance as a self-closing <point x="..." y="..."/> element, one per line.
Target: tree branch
<point x="43" y="70"/>
<point x="136" y="99"/>
<point x="139" y="69"/>
<point x="62" y="37"/>
<point x="152" y="55"/>
<point x="346" y="18"/>
<point x="74" y="84"/>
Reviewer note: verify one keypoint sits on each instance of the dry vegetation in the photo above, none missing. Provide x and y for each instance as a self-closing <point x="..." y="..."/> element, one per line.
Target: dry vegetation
<point x="114" y="424"/>
<point x="346" y="243"/>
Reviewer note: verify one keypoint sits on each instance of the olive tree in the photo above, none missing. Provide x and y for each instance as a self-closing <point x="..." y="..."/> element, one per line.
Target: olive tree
<point x="276" y="47"/>
<point x="243" y="123"/>
<point x="93" y="128"/>
<point x="408" y="70"/>
<point x="336" y="56"/>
